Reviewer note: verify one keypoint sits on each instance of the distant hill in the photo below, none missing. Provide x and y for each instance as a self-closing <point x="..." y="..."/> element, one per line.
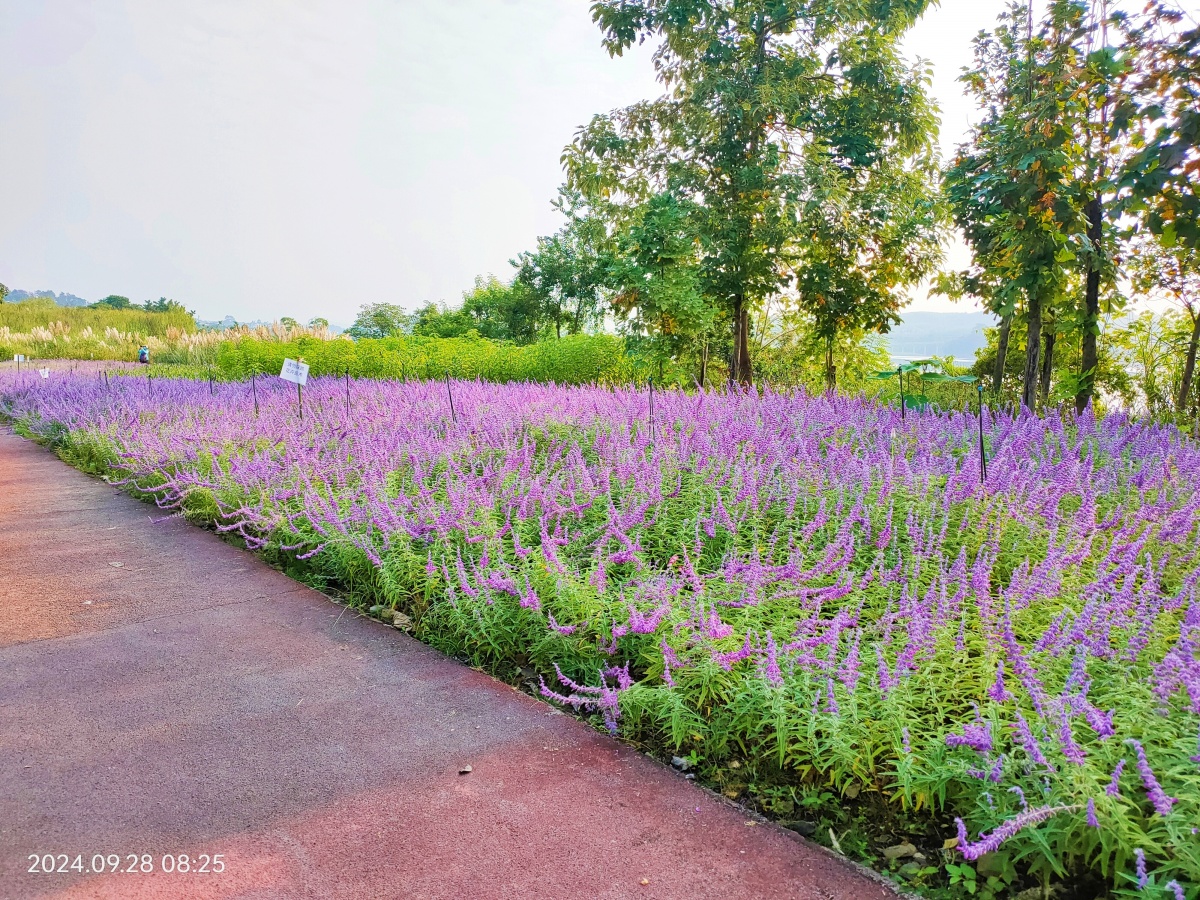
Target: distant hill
<point x="923" y="334"/>
<point x="61" y="299"/>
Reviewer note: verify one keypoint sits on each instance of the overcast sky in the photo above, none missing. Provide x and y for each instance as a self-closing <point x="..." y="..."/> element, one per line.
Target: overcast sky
<point x="260" y="158"/>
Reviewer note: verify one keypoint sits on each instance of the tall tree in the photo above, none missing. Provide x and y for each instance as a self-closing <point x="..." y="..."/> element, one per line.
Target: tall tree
<point x="766" y="101"/>
<point x="567" y="274"/>
<point x="380" y="320"/>
<point x="1163" y="176"/>
<point x="1011" y="185"/>
<point x="113" y="301"/>
<point x="655" y="280"/>
<point x="860" y="241"/>
<point x="1091" y="119"/>
<point x="1172" y="272"/>
<point x="1103" y="49"/>
<point x="504" y="311"/>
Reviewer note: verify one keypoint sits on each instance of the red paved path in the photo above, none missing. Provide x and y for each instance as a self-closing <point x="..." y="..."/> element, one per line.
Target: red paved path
<point x="192" y="700"/>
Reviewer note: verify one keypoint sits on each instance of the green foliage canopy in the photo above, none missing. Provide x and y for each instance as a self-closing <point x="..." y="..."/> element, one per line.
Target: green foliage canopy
<point x="565" y="278"/>
<point x="778" y="116"/>
<point x="379" y="320"/>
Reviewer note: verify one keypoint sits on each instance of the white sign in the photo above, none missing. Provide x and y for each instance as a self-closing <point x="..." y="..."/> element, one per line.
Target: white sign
<point x="294" y="371"/>
<point x="20" y="357"/>
<point x="45" y="373"/>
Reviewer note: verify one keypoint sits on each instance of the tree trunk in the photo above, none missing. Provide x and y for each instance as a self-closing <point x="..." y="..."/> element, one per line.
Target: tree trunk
<point x="1091" y="307"/>
<point x="739" y="367"/>
<point x="1048" y="341"/>
<point x="1189" y="364"/>
<point x="1001" y="354"/>
<point x="1033" y="346"/>
<point x="830" y="369"/>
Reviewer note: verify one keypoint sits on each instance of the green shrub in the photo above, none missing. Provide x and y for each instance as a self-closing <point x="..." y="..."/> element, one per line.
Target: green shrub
<point x="578" y="359"/>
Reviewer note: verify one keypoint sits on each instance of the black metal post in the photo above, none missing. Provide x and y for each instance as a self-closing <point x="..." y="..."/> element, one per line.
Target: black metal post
<point x="254" y="391"/>
<point x="652" y="409"/>
<point x="347" y="391"/>
<point x="300" y="401"/>
<point x="982" y="452"/>
<point x="903" y="402"/>
<point x="450" y="394"/>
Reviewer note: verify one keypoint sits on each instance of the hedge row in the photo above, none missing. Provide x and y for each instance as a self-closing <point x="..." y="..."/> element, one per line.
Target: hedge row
<point x="578" y="359"/>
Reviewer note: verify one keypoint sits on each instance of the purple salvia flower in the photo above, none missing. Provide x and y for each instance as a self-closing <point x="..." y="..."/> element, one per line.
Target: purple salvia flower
<point x="1158" y="797"/>
<point x="727" y="660"/>
<point x="976" y="735"/>
<point x="885" y="679"/>
<point x="770" y="664"/>
<point x="997" y="691"/>
<point x="1143" y="879"/>
<point x="670" y="661"/>
<point x="849" y="673"/>
<point x="605" y="698"/>
<point x="991" y="843"/>
<point x="1029" y="743"/>
<point x="1101" y="723"/>
<point x="1114" y="786"/>
<point x="714" y="628"/>
<point x="997" y="769"/>
<point x="1066" y="738"/>
<point x="1091" y="813"/>
<point x="831" y="704"/>
<point x="1020" y="796"/>
<point x="1176" y="890"/>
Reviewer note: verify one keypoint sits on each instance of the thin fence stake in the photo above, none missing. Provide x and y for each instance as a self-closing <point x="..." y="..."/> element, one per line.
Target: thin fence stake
<point x="651" y="409"/>
<point x="903" y="402"/>
<point x="982" y="451"/>
<point x="254" y="391"/>
<point x="450" y="394"/>
<point x="347" y="390"/>
<point x="300" y="401"/>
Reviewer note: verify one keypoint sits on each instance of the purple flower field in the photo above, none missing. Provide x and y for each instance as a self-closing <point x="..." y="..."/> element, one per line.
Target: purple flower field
<point x="810" y="587"/>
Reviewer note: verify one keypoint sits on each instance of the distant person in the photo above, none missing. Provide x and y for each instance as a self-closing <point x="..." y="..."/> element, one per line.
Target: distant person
<point x="144" y="355"/>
